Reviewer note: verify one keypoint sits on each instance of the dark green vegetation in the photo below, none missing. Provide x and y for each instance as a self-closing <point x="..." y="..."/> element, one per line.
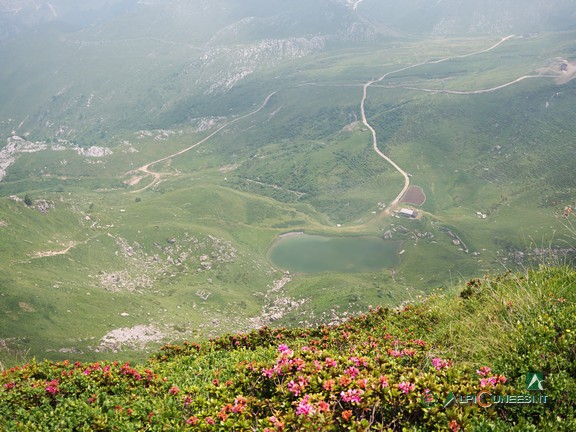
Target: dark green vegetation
<point x="112" y="253"/>
<point x="389" y="369"/>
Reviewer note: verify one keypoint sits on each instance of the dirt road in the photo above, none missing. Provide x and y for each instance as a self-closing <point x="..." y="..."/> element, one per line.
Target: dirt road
<point x="404" y="174"/>
<point x="158" y="176"/>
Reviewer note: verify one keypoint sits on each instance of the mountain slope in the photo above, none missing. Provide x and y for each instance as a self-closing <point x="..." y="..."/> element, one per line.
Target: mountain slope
<point x="153" y="156"/>
<point x="423" y="366"/>
<point x="461" y="16"/>
<point x="134" y="64"/>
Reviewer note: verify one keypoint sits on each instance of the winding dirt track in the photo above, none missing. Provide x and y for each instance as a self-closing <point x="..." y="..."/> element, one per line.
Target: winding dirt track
<point x="404" y="174"/>
<point x="473" y="92"/>
<point x="147" y="171"/>
<point x="158" y="176"/>
<point x="382" y="155"/>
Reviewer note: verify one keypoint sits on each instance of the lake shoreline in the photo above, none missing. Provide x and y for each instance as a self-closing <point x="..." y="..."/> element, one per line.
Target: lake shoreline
<point x="291" y="234"/>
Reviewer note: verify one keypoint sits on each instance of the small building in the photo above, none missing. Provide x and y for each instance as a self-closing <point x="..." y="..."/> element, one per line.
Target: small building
<point x="409" y="213"/>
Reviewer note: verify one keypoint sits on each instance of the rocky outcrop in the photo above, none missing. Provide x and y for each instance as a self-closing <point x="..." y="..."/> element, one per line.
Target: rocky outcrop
<point x="179" y="255"/>
<point x="93" y="152"/>
<point x="14" y="146"/>
<point x="242" y="62"/>
<point x="136" y="337"/>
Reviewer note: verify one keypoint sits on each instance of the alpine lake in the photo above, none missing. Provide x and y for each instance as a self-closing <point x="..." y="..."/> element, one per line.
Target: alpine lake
<point x="310" y="254"/>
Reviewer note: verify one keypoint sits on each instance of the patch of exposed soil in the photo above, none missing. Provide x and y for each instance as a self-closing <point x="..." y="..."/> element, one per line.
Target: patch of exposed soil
<point x="414" y="195"/>
<point x="351" y="127"/>
<point x="563" y="69"/>
<point x="54" y="253"/>
<point x="134" y="180"/>
<point x="228" y="168"/>
<point x="26" y="307"/>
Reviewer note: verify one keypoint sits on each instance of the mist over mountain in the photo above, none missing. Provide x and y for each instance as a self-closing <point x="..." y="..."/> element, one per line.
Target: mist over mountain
<point x="205" y="47"/>
<point x="19" y="16"/>
<point x="316" y="16"/>
<point x="465" y="16"/>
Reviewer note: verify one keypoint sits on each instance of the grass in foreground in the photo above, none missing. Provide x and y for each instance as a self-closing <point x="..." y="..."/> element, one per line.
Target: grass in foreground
<point x="385" y="370"/>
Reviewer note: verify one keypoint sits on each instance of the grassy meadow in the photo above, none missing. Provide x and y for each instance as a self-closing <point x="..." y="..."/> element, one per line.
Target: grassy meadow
<point x="186" y="257"/>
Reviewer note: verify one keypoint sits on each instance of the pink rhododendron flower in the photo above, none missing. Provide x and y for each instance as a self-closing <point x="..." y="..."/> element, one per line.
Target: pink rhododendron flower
<point x="323" y="406"/>
<point x="330" y="362"/>
<point x="344" y="380"/>
<point x="239" y="404"/>
<point x="298" y="387"/>
<point x="293" y="387"/>
<point x="488" y="382"/>
<point x="328" y="385"/>
<point x="192" y="420"/>
<point x="52" y="387"/>
<point x="408" y="352"/>
<point x="440" y="364"/>
<point x="299" y="363"/>
<point x="383" y="381"/>
<point x="284" y="350"/>
<point x="352" y="395"/>
<point x="406" y="387"/>
<point x="352" y="371"/>
<point x="483" y="371"/>
<point x="428" y="397"/>
<point x="304" y="408"/>
<point x="454" y="426"/>
<point x="358" y="361"/>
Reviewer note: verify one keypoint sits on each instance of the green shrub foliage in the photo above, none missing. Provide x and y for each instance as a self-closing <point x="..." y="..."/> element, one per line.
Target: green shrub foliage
<point x="389" y="369"/>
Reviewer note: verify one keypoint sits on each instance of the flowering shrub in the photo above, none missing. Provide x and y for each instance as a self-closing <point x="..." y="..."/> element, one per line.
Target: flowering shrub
<point x="372" y="379"/>
<point x="376" y="371"/>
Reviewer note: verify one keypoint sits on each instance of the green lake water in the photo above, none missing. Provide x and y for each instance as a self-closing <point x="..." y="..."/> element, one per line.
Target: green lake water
<point x="318" y="254"/>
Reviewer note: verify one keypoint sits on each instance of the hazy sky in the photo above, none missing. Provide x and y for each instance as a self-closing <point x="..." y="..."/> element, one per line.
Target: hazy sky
<point x="415" y="16"/>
